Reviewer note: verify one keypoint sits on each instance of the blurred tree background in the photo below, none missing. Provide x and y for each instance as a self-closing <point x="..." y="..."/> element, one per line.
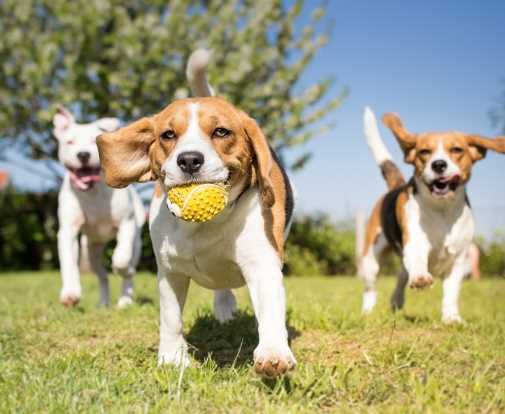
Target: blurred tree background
<point x="316" y="246"/>
<point x="126" y="58"/>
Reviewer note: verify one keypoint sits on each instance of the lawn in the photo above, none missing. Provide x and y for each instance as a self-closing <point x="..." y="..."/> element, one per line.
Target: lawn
<point x="104" y="360"/>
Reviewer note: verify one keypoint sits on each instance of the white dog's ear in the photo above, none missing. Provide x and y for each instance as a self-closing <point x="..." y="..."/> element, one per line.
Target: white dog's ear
<point x="108" y="124"/>
<point x="62" y="120"/>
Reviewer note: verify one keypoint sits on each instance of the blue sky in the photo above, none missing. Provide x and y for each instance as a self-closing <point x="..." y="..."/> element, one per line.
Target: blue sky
<point x="439" y="64"/>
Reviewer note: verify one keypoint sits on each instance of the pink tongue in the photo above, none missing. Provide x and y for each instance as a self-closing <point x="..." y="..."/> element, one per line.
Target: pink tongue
<point x="453" y="179"/>
<point x="82" y="181"/>
<point x="90" y="178"/>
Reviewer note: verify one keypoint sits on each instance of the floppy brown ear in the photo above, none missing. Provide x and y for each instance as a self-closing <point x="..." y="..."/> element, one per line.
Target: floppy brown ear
<point x="124" y="154"/>
<point x="479" y="145"/>
<point x="263" y="160"/>
<point x="406" y="139"/>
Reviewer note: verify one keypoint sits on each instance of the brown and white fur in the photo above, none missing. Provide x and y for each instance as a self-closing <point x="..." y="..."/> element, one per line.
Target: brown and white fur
<point x="428" y="220"/>
<point x="207" y="139"/>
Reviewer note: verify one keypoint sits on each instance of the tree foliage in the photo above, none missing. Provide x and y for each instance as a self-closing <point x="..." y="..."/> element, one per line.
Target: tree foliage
<point x="316" y="246"/>
<point x="126" y="58"/>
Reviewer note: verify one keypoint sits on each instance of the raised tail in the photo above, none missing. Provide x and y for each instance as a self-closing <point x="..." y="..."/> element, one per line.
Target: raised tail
<point x="389" y="169"/>
<point x="195" y="72"/>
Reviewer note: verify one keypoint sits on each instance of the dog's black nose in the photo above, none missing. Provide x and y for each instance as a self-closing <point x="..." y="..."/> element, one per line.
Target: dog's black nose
<point x="439" y="166"/>
<point x="190" y="161"/>
<point x="83" y="156"/>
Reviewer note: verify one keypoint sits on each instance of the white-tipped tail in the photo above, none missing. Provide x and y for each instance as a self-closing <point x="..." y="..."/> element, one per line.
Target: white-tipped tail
<point x="360" y="235"/>
<point x="373" y="138"/>
<point x="195" y="72"/>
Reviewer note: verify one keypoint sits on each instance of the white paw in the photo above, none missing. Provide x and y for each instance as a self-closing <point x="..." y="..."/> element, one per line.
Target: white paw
<point x="70" y="298"/>
<point x="177" y="356"/>
<point x="452" y="318"/>
<point x="124" y="301"/>
<point x="421" y="281"/>
<point x="125" y="271"/>
<point x="121" y="263"/>
<point x="225" y="306"/>
<point x="273" y="360"/>
<point x="369" y="301"/>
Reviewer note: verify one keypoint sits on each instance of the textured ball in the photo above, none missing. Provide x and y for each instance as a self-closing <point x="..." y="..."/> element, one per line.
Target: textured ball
<point x="199" y="202"/>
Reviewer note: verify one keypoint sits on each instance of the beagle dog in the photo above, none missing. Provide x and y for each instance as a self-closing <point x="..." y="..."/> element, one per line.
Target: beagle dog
<point x="87" y="206"/>
<point x="427" y="220"/>
<point x="206" y="139"/>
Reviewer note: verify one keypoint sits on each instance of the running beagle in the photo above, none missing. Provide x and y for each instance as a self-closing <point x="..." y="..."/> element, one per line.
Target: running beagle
<point x="207" y="139"/>
<point x="428" y="220"/>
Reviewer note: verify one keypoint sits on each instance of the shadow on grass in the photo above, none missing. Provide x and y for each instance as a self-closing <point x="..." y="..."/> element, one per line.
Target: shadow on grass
<point x="416" y="319"/>
<point x="227" y="344"/>
<point x="142" y="300"/>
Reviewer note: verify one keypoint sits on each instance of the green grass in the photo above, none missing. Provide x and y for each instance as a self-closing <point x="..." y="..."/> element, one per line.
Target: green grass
<point x="95" y="360"/>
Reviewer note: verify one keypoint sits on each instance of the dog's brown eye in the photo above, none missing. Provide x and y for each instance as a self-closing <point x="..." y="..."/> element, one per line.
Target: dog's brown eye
<point x="456" y="150"/>
<point x="221" y="132"/>
<point x="170" y="134"/>
<point x="424" y="152"/>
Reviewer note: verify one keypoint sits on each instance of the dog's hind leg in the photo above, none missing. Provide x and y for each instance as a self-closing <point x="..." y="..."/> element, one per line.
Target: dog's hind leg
<point x="125" y="255"/>
<point x="452" y="285"/>
<point x="398" y="296"/>
<point x="95" y="252"/>
<point x="225" y="305"/>
<point x="368" y="271"/>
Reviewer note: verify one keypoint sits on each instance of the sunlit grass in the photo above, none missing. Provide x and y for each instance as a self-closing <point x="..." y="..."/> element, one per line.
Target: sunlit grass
<point x="95" y="360"/>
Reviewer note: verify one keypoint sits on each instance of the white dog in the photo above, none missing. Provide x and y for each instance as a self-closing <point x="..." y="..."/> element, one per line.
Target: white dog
<point x="87" y="205"/>
<point x="209" y="140"/>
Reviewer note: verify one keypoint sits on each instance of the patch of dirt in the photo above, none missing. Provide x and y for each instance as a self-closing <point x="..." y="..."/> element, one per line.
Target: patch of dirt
<point x="318" y="345"/>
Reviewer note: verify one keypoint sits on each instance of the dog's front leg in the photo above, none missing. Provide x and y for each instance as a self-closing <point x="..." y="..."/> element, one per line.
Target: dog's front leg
<point x="416" y="253"/>
<point x="262" y="272"/>
<point x="173" y="290"/>
<point x="452" y="285"/>
<point x="123" y="258"/>
<point x="68" y="248"/>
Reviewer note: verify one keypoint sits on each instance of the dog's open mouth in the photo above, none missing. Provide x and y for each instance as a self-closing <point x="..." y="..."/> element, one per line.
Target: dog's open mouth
<point x="445" y="186"/>
<point x="85" y="177"/>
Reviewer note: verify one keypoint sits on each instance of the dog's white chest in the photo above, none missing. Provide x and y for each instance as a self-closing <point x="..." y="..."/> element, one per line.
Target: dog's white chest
<point x="100" y="219"/>
<point x="206" y="252"/>
<point x="447" y="232"/>
<point x="97" y="212"/>
<point x="207" y="258"/>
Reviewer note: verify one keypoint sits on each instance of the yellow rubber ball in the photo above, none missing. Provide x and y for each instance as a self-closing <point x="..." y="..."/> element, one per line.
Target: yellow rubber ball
<point x="199" y="202"/>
